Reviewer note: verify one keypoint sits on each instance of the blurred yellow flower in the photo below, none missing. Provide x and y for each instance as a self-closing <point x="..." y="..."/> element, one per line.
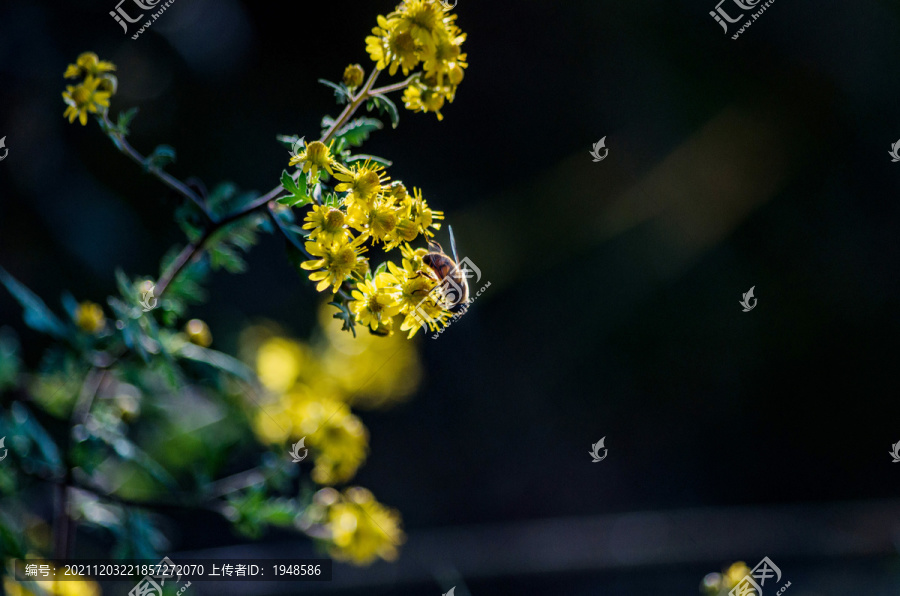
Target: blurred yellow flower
<point x="337" y="438"/>
<point x="54" y="588"/>
<point x="88" y="64"/>
<point x="279" y="362"/>
<point x="84" y="98"/>
<point x="353" y="76"/>
<point x="198" y="333"/>
<point x="362" y="529"/>
<point x="369" y="370"/>
<point x="735" y="573"/>
<point x="89" y="317"/>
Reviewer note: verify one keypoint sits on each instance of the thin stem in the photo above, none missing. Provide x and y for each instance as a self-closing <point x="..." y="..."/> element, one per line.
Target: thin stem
<point x="351" y="107"/>
<point x="394" y="87"/>
<point x="170" y="181"/>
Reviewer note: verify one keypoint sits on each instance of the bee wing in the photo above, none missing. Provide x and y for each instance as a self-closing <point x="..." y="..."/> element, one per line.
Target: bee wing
<point x="453" y="244"/>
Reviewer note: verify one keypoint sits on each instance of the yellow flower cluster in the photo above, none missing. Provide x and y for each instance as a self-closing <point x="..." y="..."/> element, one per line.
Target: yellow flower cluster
<point x="315" y="385"/>
<point x="370" y="208"/>
<point x="358" y="528"/>
<point x="93" y="93"/>
<point x="421" y="31"/>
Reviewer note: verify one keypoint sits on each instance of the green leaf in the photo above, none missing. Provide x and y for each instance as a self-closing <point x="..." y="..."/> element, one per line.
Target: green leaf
<point x="35" y="313"/>
<point x="385" y="105"/>
<point x="341" y="93"/>
<point x="162" y="156"/>
<point x="362" y="157"/>
<point x="345" y="316"/>
<point x="357" y="131"/>
<point x="297" y="193"/>
<point x="124" y="121"/>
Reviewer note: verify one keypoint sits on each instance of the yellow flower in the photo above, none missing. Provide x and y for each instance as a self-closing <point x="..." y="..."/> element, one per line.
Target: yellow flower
<point x="84" y="98"/>
<point x="423" y="215"/>
<point x="422" y="19"/>
<point x="327" y="224"/>
<point x="338" y="440"/>
<point x="379" y="221"/>
<point x="735" y="573"/>
<point x="338" y="260"/>
<point x="390" y="46"/>
<point x="279" y="362"/>
<point x="375" y="302"/>
<point x="446" y="58"/>
<point x="353" y="76"/>
<point x="198" y="333"/>
<point x="314" y="157"/>
<point x="362" y="529"/>
<point x="413" y="258"/>
<point x="89" y="317"/>
<point x="421" y="98"/>
<point x="428" y="313"/>
<point x="88" y="64"/>
<point x="413" y="288"/>
<point x="363" y="182"/>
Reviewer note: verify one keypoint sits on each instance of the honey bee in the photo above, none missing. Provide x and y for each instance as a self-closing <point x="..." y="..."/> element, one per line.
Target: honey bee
<point x="450" y="276"/>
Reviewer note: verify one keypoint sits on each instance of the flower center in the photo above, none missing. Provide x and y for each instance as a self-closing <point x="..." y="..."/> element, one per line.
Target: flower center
<point x="81" y="96"/>
<point x="334" y="220"/>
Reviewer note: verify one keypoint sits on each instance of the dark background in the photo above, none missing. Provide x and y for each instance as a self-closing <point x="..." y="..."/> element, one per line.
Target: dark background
<point x="613" y="307"/>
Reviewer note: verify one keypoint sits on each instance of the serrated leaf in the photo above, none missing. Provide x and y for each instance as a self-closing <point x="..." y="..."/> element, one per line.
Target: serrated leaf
<point x="124" y="121"/>
<point x="296" y="190"/>
<point x="357" y="131"/>
<point x="385" y="105"/>
<point x="35" y="313"/>
<point x="345" y="316"/>
<point x="340" y="91"/>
